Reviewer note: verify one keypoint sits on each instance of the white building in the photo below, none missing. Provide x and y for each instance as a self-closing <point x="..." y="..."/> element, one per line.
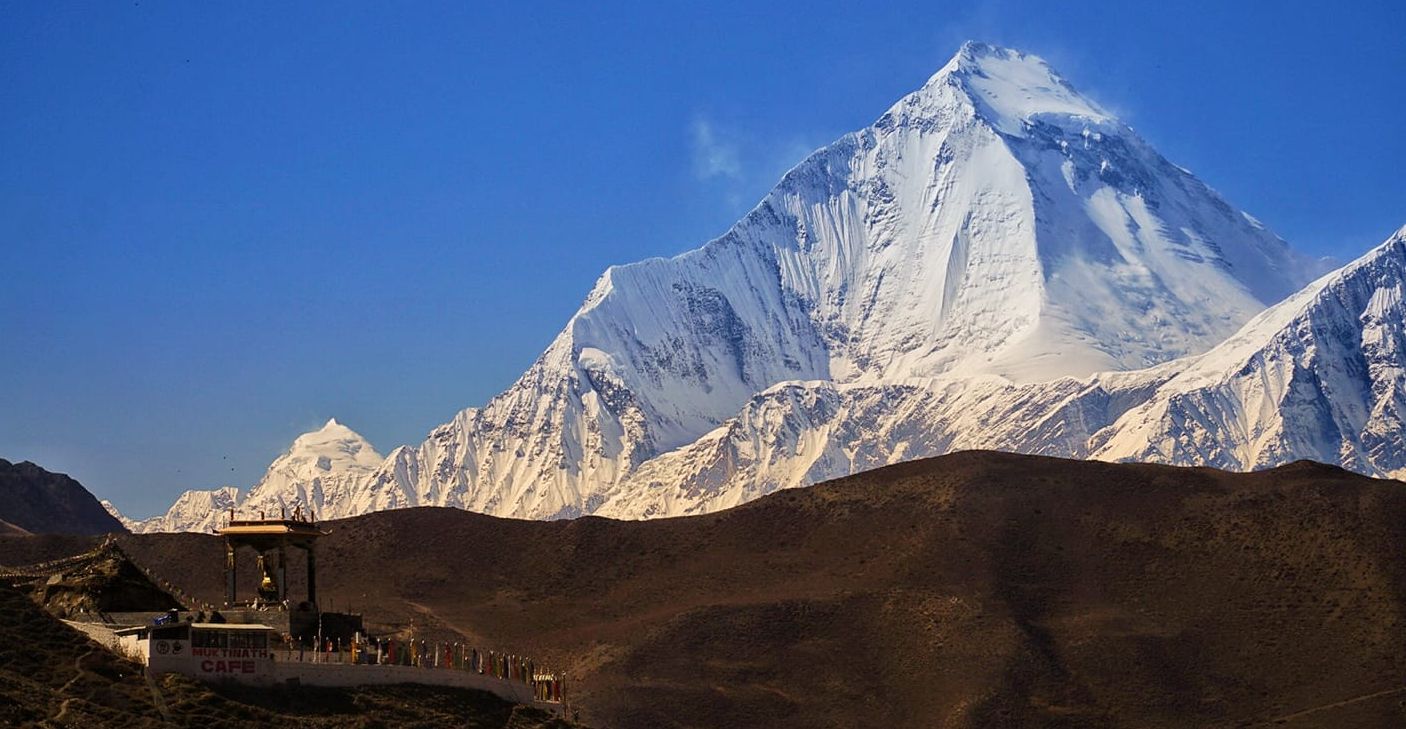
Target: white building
<point x="204" y="650"/>
<point x="248" y="653"/>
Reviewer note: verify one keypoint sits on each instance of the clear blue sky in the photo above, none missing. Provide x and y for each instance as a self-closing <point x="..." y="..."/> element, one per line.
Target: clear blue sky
<point x="221" y="227"/>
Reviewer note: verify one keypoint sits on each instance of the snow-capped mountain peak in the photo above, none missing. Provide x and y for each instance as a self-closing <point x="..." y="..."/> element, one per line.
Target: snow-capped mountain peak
<point x="333" y="447"/>
<point x="318" y="462"/>
<point x="992" y="222"/>
<point x="317" y="468"/>
<point x="995" y="247"/>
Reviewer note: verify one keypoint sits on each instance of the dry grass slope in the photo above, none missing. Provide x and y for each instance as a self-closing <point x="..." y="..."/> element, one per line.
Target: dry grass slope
<point x="972" y="590"/>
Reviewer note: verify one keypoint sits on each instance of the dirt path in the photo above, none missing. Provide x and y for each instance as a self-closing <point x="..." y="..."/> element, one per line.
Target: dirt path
<point x="78" y="671"/>
<point x="426" y="611"/>
<point x="1334" y="705"/>
<point x="157" y="698"/>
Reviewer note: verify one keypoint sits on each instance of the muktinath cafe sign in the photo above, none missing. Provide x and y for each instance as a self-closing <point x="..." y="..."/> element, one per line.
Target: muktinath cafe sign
<point x="213" y="649"/>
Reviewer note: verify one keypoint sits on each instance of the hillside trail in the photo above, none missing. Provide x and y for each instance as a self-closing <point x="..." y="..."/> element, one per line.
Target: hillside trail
<point x="78" y="671"/>
<point x="157" y="698"/>
<point x="429" y="612"/>
<point x="1326" y="707"/>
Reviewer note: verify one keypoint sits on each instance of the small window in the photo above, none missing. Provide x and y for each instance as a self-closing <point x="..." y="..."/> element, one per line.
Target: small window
<point x="208" y="639"/>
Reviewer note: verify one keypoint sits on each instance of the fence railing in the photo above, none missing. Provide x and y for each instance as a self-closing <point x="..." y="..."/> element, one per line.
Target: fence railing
<point x="546" y="685"/>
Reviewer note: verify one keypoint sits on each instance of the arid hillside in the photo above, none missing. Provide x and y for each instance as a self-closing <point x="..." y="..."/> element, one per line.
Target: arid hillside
<point x="972" y="590"/>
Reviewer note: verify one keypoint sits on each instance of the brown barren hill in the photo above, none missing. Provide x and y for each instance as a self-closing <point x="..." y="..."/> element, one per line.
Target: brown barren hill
<point x="971" y="590"/>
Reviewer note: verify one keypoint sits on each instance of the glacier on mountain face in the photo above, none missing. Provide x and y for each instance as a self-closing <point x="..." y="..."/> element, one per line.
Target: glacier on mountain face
<point x="996" y="262"/>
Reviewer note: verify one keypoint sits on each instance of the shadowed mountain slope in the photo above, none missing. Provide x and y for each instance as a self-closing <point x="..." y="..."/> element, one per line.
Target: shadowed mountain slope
<point x="38" y="501"/>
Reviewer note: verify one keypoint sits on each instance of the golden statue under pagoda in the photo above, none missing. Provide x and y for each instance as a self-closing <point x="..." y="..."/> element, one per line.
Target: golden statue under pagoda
<point x="268" y="589"/>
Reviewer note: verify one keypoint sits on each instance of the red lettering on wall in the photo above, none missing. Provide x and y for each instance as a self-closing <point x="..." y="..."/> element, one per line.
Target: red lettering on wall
<point x="230" y="666"/>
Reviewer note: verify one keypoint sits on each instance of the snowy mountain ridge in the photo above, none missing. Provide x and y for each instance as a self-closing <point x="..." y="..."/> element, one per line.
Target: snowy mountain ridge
<point x="195" y="510"/>
<point x="995" y="251"/>
<point x="1320" y="376"/>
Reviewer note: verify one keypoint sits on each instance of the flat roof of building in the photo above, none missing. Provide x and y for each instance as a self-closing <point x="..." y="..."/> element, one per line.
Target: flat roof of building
<point x="202" y="626"/>
<point x="271" y="527"/>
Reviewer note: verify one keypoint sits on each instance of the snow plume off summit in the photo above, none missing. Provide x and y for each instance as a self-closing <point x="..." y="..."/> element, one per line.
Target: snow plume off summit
<point x="995" y="262"/>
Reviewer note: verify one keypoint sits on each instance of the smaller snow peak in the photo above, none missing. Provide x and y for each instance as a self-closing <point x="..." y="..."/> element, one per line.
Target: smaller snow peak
<point x="1382" y="267"/>
<point x="333" y="447"/>
<point x="331" y="432"/>
<point x="336" y="428"/>
<point x="334" y="439"/>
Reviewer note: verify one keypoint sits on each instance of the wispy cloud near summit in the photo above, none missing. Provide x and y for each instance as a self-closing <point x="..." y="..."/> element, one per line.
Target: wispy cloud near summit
<point x="713" y="155"/>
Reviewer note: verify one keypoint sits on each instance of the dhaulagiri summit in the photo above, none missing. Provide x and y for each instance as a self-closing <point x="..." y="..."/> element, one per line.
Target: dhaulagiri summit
<point x="996" y="262"/>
